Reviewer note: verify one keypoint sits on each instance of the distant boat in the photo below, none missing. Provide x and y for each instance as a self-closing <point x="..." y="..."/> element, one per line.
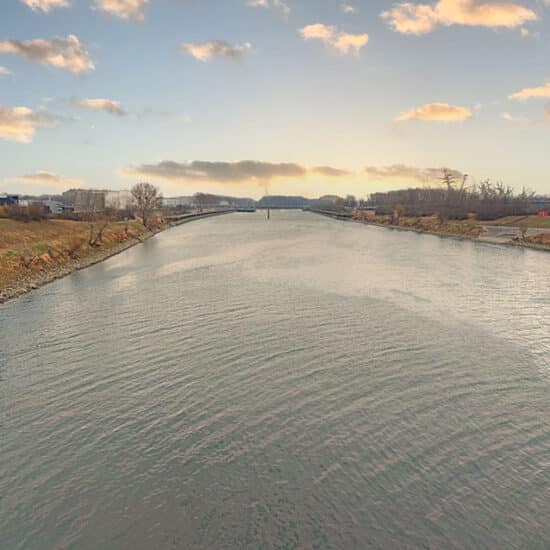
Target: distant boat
<point x="246" y="209"/>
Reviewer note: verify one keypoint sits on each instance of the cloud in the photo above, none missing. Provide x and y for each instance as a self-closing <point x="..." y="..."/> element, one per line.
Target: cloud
<point x="246" y="171"/>
<point x="276" y="5"/>
<point x="125" y="9"/>
<point x="438" y="112"/>
<point x="106" y="105"/>
<point x="530" y="93"/>
<point x="515" y="119"/>
<point x="149" y="112"/>
<point x="408" y="18"/>
<point x="205" y="51"/>
<point x="402" y="172"/>
<point x="330" y="171"/>
<point x="63" y="53"/>
<point x="341" y="41"/>
<point x="348" y="8"/>
<point x="48" y="178"/>
<point x="526" y="33"/>
<point x="46" y="5"/>
<point x="20" y="123"/>
<point x="4" y="71"/>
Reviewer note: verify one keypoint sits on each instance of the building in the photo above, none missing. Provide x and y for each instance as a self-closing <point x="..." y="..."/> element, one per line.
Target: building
<point x="54" y="207"/>
<point x="85" y="200"/>
<point x="8" y="200"/>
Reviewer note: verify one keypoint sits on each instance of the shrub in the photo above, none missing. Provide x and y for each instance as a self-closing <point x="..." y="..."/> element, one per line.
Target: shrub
<point x="33" y="212"/>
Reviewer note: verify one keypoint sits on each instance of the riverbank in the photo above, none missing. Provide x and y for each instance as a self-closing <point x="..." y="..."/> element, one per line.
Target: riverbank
<point x="34" y="254"/>
<point x="469" y="229"/>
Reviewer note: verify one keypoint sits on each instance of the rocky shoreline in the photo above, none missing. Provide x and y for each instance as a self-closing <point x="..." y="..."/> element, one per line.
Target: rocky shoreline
<point x="449" y="235"/>
<point x="480" y="239"/>
<point x="32" y="280"/>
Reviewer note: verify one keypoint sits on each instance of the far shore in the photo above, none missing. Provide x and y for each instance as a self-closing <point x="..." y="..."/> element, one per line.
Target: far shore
<point x="50" y="267"/>
<point x="449" y="233"/>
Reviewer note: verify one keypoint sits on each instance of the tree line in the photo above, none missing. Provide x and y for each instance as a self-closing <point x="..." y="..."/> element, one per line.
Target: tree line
<point x="454" y="199"/>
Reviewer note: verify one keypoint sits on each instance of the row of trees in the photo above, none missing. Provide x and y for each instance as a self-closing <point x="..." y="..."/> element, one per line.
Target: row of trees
<point x="454" y="199"/>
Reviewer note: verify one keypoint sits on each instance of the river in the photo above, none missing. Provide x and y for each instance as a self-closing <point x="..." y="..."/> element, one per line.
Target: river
<point x="293" y="383"/>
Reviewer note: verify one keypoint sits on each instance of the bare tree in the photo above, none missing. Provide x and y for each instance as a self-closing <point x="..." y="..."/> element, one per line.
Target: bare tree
<point x="145" y="198"/>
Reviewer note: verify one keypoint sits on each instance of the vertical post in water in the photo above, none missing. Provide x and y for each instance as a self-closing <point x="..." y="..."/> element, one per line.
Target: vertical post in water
<point x="268" y="213"/>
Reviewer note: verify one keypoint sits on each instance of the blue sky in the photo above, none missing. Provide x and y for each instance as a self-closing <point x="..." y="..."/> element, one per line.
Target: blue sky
<point x="180" y="92"/>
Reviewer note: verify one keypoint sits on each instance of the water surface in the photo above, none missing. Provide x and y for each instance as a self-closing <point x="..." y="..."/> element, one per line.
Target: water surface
<point x="297" y="383"/>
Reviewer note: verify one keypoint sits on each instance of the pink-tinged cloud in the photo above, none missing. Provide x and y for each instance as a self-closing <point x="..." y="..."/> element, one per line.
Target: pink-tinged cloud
<point x="106" y="105"/>
<point x="124" y="9"/>
<point x="52" y="179"/>
<point x="62" y="53"/>
<point x="342" y="42"/>
<point x="409" y="18"/>
<point x="20" y="123"/>
<point x="533" y="93"/>
<point x="436" y="112"/>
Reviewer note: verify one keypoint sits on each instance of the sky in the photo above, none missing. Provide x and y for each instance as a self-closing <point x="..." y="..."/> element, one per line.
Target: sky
<point x="247" y="97"/>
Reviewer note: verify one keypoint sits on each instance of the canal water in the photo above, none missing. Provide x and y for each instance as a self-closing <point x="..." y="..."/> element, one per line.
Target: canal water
<point x="293" y="383"/>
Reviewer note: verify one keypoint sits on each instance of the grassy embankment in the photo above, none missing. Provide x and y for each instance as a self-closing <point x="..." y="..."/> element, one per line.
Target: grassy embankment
<point x="471" y="227"/>
<point x="29" y="251"/>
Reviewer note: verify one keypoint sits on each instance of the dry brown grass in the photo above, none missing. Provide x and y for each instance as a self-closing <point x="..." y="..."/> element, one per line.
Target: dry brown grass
<point x="535" y="222"/>
<point x="42" y="245"/>
<point x="540" y="239"/>
<point x="469" y="227"/>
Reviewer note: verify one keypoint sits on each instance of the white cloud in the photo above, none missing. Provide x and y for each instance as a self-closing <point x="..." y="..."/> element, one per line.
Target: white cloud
<point x="348" y="8"/>
<point x="62" y="53"/>
<point x="106" y="105"/>
<point x="20" y="123"/>
<point x="529" y="93"/>
<point x="46" y="5"/>
<point x="205" y="51"/>
<point x="124" y="9"/>
<point x="4" y="71"/>
<point x="408" y="18"/>
<point x="343" y="42"/>
<point x="437" y="112"/>
<point x="276" y="5"/>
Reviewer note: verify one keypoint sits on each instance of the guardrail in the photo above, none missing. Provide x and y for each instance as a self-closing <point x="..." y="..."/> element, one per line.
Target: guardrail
<point x="337" y="214"/>
<point x="184" y="218"/>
